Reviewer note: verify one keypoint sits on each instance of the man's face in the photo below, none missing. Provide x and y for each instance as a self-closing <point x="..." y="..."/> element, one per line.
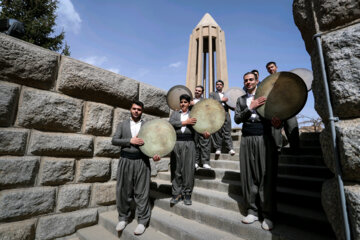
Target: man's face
<point x="198" y="92"/>
<point x="184" y="105"/>
<point x="136" y="111"/>
<point x="219" y="86"/>
<point x="250" y="82"/>
<point x="271" y="68"/>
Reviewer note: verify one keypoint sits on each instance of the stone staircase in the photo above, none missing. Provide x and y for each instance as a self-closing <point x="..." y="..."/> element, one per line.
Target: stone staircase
<point x="217" y="211"/>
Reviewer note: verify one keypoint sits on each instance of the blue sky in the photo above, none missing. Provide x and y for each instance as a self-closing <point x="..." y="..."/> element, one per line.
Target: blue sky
<point x="148" y="40"/>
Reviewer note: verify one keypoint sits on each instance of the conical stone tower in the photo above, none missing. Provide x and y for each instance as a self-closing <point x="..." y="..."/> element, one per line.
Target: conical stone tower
<point x="207" y="56"/>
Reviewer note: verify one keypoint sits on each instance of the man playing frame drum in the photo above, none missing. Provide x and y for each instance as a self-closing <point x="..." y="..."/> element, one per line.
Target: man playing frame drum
<point x="183" y="156"/>
<point x="258" y="168"/>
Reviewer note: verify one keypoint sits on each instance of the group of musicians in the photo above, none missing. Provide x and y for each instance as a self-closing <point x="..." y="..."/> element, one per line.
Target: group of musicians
<point x="260" y="143"/>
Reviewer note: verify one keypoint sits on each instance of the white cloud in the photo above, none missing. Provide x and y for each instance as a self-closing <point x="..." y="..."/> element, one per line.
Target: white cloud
<point x="94" y="60"/>
<point x="115" y="70"/>
<point x="175" y="65"/>
<point x="67" y="17"/>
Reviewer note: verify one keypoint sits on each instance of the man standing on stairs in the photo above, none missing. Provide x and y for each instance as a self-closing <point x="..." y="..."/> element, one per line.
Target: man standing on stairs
<point x="133" y="172"/>
<point x="224" y="134"/>
<point x="202" y="144"/>
<point x="182" y="158"/>
<point x="291" y="125"/>
<point x="258" y="168"/>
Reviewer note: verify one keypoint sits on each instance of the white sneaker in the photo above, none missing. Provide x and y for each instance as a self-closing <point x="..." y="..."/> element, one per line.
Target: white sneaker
<point x="196" y="166"/>
<point x="121" y="225"/>
<point x="267" y="224"/>
<point x="218" y="152"/>
<point x="140" y="229"/>
<point x="207" y="166"/>
<point x="250" y="219"/>
<point x="232" y="152"/>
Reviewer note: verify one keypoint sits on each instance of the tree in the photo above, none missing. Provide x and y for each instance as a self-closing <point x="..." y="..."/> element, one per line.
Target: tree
<point x="38" y="17"/>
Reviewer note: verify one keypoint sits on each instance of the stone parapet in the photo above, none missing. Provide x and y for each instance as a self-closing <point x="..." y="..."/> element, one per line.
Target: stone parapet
<point x="56" y="171"/>
<point x="24" y="230"/>
<point x="98" y="119"/>
<point x="94" y="170"/>
<point x="154" y="100"/>
<point x="60" y="144"/>
<point x="26" y="203"/>
<point x="59" y="225"/>
<point x="73" y="197"/>
<point x="104" y="193"/>
<point x="9" y="95"/>
<point x="18" y="171"/>
<point x="84" y="81"/>
<point x="331" y="204"/>
<point x="348" y="142"/>
<point x="104" y="148"/>
<point x="44" y="110"/>
<point x="27" y="64"/>
<point x="13" y="141"/>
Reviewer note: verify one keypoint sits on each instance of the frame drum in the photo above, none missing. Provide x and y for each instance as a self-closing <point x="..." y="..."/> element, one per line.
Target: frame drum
<point x="210" y="116"/>
<point x="159" y="137"/>
<point x="306" y="75"/>
<point x="286" y="95"/>
<point x="173" y="96"/>
<point x="233" y="94"/>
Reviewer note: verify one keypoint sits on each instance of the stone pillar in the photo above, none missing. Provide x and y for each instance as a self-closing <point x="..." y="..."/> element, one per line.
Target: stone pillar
<point x="339" y="23"/>
<point x="201" y="46"/>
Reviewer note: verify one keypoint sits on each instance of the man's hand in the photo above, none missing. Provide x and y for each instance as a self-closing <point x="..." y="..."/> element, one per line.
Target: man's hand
<point x="206" y="134"/>
<point x="192" y="103"/>
<point x="276" y="122"/>
<point x="257" y="102"/>
<point x="224" y="99"/>
<point x="156" y="157"/>
<point x="190" y="121"/>
<point x="137" y="141"/>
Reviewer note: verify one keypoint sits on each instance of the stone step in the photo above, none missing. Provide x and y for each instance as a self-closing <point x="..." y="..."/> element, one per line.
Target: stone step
<point x="304" y="170"/>
<point x="108" y="220"/>
<point x="300" y="182"/>
<point x="309" y="150"/>
<point x="304" y="198"/>
<point x="96" y="232"/>
<point x="315" y="160"/>
<point x="229" y="221"/>
<point x="225" y="156"/>
<point x="235" y="165"/>
<point x="181" y="228"/>
<point x="305" y="217"/>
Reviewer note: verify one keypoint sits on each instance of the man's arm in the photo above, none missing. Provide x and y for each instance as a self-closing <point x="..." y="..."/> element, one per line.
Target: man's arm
<point x="242" y="113"/>
<point x="118" y="138"/>
<point x="175" y="120"/>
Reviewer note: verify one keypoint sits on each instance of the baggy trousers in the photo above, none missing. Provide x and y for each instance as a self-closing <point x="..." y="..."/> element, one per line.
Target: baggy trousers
<point x="223" y="134"/>
<point x="291" y="128"/>
<point x="202" y="149"/>
<point x="258" y="170"/>
<point x="133" y="181"/>
<point x="182" y="163"/>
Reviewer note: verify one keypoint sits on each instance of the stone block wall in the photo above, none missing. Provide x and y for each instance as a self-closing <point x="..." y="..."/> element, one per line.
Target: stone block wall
<point x="57" y="117"/>
<point x="338" y="21"/>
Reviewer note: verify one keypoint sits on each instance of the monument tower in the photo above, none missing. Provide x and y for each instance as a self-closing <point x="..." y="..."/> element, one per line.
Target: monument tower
<point x="207" y="56"/>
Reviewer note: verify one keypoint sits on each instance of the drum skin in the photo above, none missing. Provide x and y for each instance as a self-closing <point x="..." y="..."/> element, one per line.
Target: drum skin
<point x="159" y="137"/>
<point x="210" y="116"/>
<point x="286" y="95"/>
<point x="306" y="75"/>
<point x="233" y="94"/>
<point x="173" y="96"/>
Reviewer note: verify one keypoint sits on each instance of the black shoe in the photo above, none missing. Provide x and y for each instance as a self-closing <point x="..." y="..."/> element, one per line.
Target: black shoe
<point x="175" y="199"/>
<point x="187" y="199"/>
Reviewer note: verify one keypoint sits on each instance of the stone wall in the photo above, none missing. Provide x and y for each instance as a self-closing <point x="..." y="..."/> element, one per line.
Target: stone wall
<point x="57" y="118"/>
<point x="339" y="23"/>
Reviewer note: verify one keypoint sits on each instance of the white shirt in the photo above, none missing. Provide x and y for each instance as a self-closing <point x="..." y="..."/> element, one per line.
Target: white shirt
<point x="135" y="127"/>
<point x="184" y="117"/>
<point x="196" y="100"/>
<point x="221" y="95"/>
<point x="249" y="98"/>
